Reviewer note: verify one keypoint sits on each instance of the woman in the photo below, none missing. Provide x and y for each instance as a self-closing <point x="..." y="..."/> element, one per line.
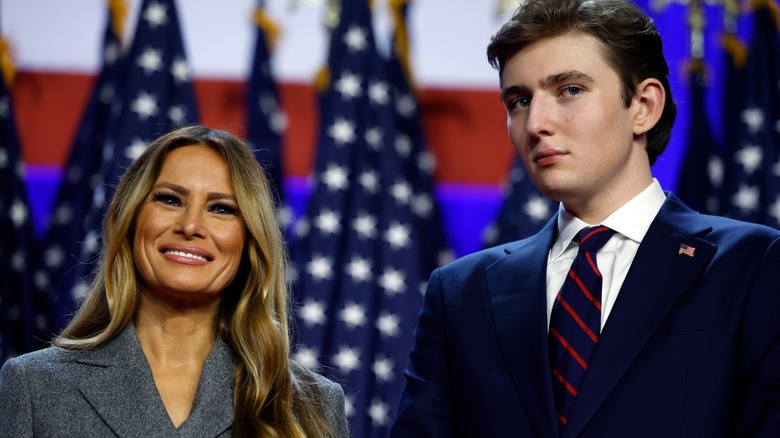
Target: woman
<point x="184" y="332"/>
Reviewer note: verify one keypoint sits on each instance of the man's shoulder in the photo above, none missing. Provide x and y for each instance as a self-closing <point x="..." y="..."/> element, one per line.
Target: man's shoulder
<point x="733" y="229"/>
<point x="487" y="256"/>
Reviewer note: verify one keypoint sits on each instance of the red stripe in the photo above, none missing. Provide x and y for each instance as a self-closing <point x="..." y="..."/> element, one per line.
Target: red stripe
<point x="587" y="236"/>
<point x="561" y="418"/>
<point x="565" y="383"/>
<point x="585" y="290"/>
<point x="592" y="264"/>
<point x="568" y="348"/>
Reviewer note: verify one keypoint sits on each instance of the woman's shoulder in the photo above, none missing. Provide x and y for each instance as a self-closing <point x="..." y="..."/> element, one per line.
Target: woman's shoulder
<point x="325" y="393"/>
<point x="314" y="380"/>
<point x="41" y="360"/>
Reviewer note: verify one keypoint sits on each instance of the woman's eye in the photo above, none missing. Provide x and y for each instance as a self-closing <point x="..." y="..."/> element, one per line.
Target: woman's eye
<point x="166" y="199"/>
<point x="224" y="209"/>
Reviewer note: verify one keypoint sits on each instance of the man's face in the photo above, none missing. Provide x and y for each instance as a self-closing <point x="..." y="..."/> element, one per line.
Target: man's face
<point x="568" y="123"/>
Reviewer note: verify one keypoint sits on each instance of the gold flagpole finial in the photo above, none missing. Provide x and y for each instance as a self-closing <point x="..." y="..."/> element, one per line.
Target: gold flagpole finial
<point x="7" y="68"/>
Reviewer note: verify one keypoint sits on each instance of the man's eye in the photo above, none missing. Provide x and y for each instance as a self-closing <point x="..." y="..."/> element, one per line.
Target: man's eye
<point x="524" y="102"/>
<point x="520" y="102"/>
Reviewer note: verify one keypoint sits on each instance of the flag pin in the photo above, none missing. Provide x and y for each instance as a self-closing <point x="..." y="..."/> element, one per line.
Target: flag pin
<point x="687" y="250"/>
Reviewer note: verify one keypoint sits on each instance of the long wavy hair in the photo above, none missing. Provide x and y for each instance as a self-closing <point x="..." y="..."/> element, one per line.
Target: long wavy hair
<point x="274" y="397"/>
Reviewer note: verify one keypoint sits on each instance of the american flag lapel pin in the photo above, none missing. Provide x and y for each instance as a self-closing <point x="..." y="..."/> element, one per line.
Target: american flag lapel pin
<point x="687" y="250"/>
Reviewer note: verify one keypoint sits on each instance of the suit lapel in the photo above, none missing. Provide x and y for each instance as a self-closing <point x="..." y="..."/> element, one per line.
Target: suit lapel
<point x="517" y="285"/>
<point x="212" y="409"/>
<point x="658" y="276"/>
<point x="117" y="382"/>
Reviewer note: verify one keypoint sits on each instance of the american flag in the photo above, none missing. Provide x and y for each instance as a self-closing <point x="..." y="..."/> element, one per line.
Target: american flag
<point x="23" y="309"/>
<point x="523" y="212"/>
<point x="266" y="122"/>
<point x="418" y="163"/>
<point x="155" y="95"/>
<point x="701" y="173"/>
<point x="732" y="91"/>
<point x="752" y="175"/>
<point x="361" y="271"/>
<point x="67" y="225"/>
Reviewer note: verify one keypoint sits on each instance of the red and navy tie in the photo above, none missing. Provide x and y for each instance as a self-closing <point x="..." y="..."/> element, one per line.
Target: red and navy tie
<point x="575" y="323"/>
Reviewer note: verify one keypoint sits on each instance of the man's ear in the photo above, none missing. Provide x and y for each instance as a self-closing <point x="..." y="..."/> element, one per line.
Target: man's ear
<point x="648" y="103"/>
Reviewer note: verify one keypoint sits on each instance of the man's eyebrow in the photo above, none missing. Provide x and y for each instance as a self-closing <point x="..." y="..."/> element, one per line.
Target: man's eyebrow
<point x="565" y="76"/>
<point x="550" y="81"/>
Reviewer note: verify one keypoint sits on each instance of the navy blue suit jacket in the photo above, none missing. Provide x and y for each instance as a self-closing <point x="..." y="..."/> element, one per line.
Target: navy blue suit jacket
<point x="690" y="349"/>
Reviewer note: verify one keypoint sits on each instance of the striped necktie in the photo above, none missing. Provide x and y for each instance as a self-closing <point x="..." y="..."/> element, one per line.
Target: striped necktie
<point x="575" y="323"/>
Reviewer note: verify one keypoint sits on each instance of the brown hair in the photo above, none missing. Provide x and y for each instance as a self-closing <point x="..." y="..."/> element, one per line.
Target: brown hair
<point x="273" y="396"/>
<point x="632" y="46"/>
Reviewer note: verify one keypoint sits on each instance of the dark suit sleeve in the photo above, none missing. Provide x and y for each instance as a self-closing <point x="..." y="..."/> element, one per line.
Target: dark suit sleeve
<point x="757" y="387"/>
<point x="424" y="407"/>
<point x="15" y="405"/>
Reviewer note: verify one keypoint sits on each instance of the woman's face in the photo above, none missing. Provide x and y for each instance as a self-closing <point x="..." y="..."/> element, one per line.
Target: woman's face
<point x="189" y="233"/>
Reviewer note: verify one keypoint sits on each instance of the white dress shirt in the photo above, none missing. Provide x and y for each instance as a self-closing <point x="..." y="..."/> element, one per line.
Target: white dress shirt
<point x="630" y="222"/>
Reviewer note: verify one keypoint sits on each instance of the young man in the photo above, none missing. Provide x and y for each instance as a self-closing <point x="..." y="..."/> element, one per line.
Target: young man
<point x="679" y="333"/>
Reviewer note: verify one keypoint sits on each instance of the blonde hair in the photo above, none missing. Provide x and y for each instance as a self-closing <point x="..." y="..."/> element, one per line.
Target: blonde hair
<point x="273" y="396"/>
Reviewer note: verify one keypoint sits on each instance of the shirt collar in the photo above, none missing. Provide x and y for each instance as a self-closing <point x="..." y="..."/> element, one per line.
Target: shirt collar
<point x="632" y="220"/>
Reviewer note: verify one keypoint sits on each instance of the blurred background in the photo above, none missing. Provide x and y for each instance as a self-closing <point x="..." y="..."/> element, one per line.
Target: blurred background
<point x="388" y="116"/>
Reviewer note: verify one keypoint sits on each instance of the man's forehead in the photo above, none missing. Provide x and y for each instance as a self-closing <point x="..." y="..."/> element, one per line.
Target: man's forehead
<point x="584" y="49"/>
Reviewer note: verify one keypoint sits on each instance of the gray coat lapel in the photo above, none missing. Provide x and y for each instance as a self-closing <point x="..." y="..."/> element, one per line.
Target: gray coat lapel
<point x="655" y="281"/>
<point x="517" y="286"/>
<point x="118" y="384"/>
<point x="212" y="410"/>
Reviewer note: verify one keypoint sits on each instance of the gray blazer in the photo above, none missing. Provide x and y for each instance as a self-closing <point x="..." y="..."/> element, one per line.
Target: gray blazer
<point x="109" y="391"/>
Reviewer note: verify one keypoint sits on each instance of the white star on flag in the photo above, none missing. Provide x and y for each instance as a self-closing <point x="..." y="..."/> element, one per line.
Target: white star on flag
<point x="379" y="413"/>
<point x="156" y="15"/>
<point x="383" y="369"/>
<point x="312" y="312"/>
<point x="18" y="213"/>
<point x="750" y="157"/>
<point x="335" y="177"/>
<point x="388" y="324"/>
<point x="397" y="235"/>
<point x="365" y="225"/>
<point x="342" y="132"/>
<point x="359" y="269"/>
<point x="379" y="93"/>
<point x="347" y="359"/>
<point x="320" y="268"/>
<point x="392" y="281"/>
<point x="753" y="118"/>
<point x="746" y="197"/>
<point x="355" y="39"/>
<point x="328" y="222"/>
<point x="537" y="208"/>
<point x="369" y="181"/>
<point x="145" y="105"/>
<point x="150" y="60"/>
<point x="353" y="315"/>
<point x="180" y="70"/>
<point x="349" y="86"/>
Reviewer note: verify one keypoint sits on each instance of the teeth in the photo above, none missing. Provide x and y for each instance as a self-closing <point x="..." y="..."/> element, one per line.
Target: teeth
<point x="188" y="255"/>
